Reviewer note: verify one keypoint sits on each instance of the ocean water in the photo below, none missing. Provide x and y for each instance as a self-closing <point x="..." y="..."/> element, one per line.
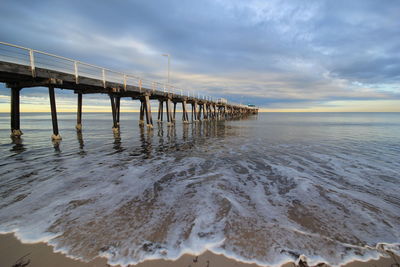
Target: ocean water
<point x="265" y="189"/>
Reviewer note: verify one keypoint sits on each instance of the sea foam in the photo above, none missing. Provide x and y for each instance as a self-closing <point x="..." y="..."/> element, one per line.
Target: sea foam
<point x="216" y="188"/>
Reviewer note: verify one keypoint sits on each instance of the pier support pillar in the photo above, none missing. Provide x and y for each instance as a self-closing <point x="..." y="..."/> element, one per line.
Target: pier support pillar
<point x="174" y="111"/>
<point x="201" y="106"/>
<point x="141" y="117"/>
<point x="147" y="109"/>
<point x="118" y="108"/>
<point x="15" y="114"/>
<point x="160" y="110"/>
<point x="185" y="117"/>
<point x="205" y="113"/>
<point x="79" y="114"/>
<point x="56" y="134"/>
<point x="114" y="108"/>
<point x="169" y="112"/>
<point x="194" y="111"/>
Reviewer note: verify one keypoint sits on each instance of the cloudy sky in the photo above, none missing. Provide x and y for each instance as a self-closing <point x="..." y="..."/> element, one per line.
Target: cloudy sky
<point x="281" y="55"/>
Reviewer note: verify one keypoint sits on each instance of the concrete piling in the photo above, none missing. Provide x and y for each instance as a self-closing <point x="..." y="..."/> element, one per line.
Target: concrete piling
<point x="56" y="135"/>
<point x="15" y="113"/>
<point x="79" y="113"/>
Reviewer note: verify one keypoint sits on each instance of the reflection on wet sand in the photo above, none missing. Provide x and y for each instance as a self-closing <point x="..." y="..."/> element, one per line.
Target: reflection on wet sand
<point x="146" y="138"/>
<point x="164" y="138"/>
<point x="117" y="142"/>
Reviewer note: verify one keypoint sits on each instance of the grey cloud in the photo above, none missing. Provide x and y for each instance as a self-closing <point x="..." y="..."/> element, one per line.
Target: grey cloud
<point x="270" y="49"/>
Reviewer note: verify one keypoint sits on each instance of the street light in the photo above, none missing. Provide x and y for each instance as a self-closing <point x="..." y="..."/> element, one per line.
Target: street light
<point x="167" y="55"/>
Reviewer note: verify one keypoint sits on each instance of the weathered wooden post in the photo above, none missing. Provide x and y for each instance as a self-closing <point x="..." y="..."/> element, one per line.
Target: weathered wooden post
<point x="168" y="109"/>
<point x="205" y="113"/>
<point x="199" y="112"/>
<point x="160" y="110"/>
<point x="147" y="108"/>
<point x="185" y="117"/>
<point x="79" y="114"/>
<point x="15" y="113"/>
<point x="169" y="112"/>
<point x="141" y="116"/>
<point x="118" y="109"/>
<point x="115" y="126"/>
<point x="174" y="111"/>
<point x="194" y="111"/>
<point x="56" y="135"/>
<point x="192" y="115"/>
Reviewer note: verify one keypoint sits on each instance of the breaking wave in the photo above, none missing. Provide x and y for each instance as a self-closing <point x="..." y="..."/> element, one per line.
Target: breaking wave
<point x="237" y="188"/>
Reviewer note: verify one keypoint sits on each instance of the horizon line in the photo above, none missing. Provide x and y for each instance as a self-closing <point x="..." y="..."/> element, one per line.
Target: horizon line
<point x="180" y="111"/>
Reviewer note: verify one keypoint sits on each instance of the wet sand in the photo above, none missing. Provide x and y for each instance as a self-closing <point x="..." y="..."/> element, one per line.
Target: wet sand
<point x="13" y="252"/>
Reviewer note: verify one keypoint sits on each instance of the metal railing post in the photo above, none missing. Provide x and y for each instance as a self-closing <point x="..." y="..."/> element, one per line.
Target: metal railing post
<point x="76" y="72"/>
<point x="32" y="60"/>
<point x="104" y="77"/>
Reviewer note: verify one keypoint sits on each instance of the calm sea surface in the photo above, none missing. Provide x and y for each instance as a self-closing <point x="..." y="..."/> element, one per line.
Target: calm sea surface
<point x="265" y="189"/>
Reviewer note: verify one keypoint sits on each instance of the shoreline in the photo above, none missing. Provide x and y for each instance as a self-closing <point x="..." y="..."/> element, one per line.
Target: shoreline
<point x="14" y="252"/>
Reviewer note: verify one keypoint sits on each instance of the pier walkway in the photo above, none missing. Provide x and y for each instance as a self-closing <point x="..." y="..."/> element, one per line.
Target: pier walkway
<point x="22" y="67"/>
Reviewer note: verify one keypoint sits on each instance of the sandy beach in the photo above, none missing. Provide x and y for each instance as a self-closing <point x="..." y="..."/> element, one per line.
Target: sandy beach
<point x="13" y="253"/>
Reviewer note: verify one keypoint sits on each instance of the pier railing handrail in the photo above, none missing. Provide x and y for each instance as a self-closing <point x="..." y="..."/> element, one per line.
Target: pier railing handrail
<point x="141" y="82"/>
<point x="30" y="50"/>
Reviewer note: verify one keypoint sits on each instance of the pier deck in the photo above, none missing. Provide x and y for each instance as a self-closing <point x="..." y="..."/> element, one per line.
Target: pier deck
<point x="22" y="67"/>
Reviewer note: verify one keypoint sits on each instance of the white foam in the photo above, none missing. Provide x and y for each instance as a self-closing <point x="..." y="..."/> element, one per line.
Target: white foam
<point x="250" y="202"/>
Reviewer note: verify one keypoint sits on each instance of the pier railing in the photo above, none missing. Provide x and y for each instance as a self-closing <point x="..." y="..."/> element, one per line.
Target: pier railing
<point x="19" y="63"/>
<point x="37" y="59"/>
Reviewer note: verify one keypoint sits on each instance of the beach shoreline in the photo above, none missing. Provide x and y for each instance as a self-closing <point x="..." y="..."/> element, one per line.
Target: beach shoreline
<point x="13" y="252"/>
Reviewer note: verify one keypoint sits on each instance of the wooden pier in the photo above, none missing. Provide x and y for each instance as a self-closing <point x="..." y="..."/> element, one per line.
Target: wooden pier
<point x="22" y="67"/>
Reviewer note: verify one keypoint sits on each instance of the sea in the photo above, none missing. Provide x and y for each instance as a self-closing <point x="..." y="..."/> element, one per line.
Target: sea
<point x="264" y="189"/>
